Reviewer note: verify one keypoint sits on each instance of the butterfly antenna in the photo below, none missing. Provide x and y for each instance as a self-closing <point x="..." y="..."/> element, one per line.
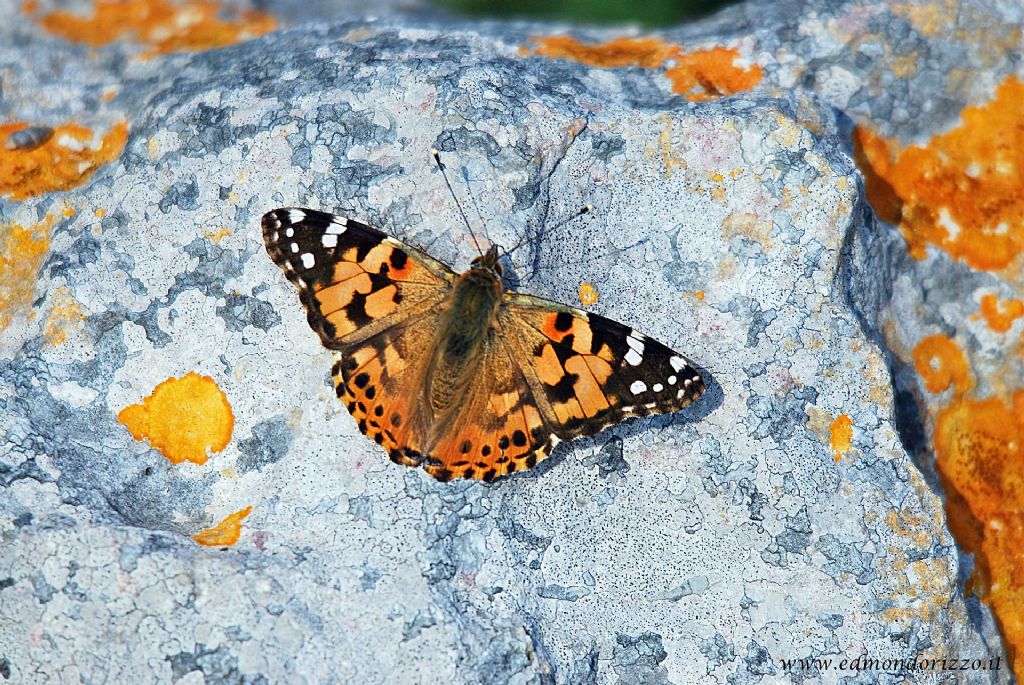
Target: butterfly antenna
<point x="437" y="158"/>
<point x="585" y="209"/>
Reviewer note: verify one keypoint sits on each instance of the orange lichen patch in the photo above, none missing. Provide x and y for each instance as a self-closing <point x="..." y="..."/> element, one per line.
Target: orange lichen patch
<point x="100" y="213"/>
<point x="1000" y="314"/>
<point x="649" y="53"/>
<point x="183" y="418"/>
<point x="218" y="234"/>
<point x="225" y="533"/>
<point x="588" y="294"/>
<point x="698" y="75"/>
<point x="65" y="318"/>
<point x="964" y="191"/>
<point x="979" y="447"/>
<point x="712" y="73"/>
<point x="840" y="436"/>
<point x="22" y="251"/>
<point x="63" y="162"/>
<point x="940" y="363"/>
<point x="163" y="25"/>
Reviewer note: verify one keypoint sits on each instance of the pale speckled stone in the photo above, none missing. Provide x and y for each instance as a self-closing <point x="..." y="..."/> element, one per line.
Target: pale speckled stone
<point x="702" y="547"/>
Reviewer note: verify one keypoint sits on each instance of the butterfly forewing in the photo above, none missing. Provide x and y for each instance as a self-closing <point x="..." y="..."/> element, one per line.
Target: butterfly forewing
<point x="589" y="372"/>
<point x="354" y="280"/>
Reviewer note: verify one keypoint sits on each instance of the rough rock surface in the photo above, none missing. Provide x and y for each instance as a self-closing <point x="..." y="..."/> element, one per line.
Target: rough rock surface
<point x="702" y="547"/>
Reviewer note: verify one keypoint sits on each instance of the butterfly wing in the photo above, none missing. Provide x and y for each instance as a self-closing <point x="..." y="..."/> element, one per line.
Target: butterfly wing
<point x="354" y="280"/>
<point x="376" y="302"/>
<point x="591" y="372"/>
<point x="499" y="429"/>
<point x="556" y="373"/>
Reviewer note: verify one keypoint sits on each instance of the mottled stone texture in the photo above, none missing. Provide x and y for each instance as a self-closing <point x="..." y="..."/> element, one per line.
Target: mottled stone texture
<point x="707" y="546"/>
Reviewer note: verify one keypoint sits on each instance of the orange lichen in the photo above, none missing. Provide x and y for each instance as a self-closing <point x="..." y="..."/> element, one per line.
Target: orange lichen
<point x="699" y="75"/>
<point x="962" y="192"/>
<point x="218" y="234"/>
<point x="65" y="318"/>
<point x="980" y="459"/>
<point x="225" y="533"/>
<point x="940" y="363"/>
<point x="979" y="455"/>
<point x="649" y="53"/>
<point x="183" y="418"/>
<point x="22" y="251"/>
<point x="63" y="162"/>
<point x="163" y="25"/>
<point x="840" y="436"/>
<point x="1000" y="314"/>
<point x="712" y="73"/>
<point x="588" y="294"/>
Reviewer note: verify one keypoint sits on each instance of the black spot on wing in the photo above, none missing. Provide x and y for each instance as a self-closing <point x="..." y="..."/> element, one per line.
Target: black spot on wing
<point x="398" y="259"/>
<point x="607" y="332"/>
<point x="355" y="310"/>
<point x="563" y="321"/>
<point x="564" y="390"/>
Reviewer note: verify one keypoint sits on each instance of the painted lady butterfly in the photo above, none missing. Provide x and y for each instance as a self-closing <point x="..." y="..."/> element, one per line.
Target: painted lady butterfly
<point x="451" y="371"/>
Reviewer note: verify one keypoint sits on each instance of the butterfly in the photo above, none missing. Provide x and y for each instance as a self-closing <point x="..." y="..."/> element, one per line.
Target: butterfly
<point x="452" y="372"/>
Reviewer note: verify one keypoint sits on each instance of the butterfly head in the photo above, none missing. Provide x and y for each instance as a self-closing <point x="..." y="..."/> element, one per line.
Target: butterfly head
<point x="487" y="265"/>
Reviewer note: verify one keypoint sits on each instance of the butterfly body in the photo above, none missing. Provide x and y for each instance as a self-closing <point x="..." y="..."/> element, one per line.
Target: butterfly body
<point x="452" y="372"/>
<point x="469" y="317"/>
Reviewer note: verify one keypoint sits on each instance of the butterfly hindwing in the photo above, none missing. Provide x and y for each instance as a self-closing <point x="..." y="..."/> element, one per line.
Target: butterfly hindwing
<point x="354" y="280"/>
<point x="379" y="381"/>
<point x="499" y="429"/>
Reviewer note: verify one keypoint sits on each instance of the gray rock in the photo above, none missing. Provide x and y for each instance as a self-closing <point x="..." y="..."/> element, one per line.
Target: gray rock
<point x="707" y="546"/>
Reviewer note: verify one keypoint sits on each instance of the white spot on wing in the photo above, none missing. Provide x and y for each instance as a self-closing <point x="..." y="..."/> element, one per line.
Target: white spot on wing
<point x="658" y="387"/>
<point x="307" y="260"/>
<point x="337" y="226"/>
<point x="672" y="380"/>
<point x="633" y="358"/>
<point x="295" y="248"/>
<point x="296" y="216"/>
<point x="329" y="240"/>
<point x="289" y="231"/>
<point x="678" y="363"/>
<point x="637" y="387"/>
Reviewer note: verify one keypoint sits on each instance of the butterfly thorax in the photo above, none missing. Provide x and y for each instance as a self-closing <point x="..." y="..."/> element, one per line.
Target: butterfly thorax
<point x="468" y="319"/>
